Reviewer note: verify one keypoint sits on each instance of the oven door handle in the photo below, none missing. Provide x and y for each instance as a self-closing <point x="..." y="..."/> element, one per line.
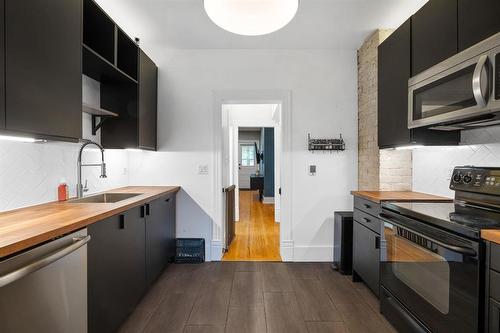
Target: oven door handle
<point x="481" y="96"/>
<point x="459" y="249"/>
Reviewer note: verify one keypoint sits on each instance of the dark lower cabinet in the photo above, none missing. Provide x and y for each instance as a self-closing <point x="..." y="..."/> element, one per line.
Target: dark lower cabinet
<point x="126" y="255"/>
<point x="494" y="316"/>
<point x="477" y="20"/>
<point x="116" y="261"/>
<point x="160" y="236"/>
<point x="148" y="90"/>
<point x="366" y="256"/>
<point x="43" y="67"/>
<point x="434" y="34"/>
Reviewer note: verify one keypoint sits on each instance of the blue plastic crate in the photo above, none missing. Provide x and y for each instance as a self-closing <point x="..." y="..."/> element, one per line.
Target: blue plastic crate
<point x="190" y="250"/>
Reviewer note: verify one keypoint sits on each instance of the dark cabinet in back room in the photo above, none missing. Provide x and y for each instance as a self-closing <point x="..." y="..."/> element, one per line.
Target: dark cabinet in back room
<point x="477" y="20"/>
<point x="43" y="67"/>
<point x="434" y="34"/>
<point x="116" y="262"/>
<point x="148" y="87"/>
<point x="160" y="236"/>
<point x="394" y="71"/>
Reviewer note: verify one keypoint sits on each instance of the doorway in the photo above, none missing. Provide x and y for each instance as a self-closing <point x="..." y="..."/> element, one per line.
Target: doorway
<point x="252" y="156"/>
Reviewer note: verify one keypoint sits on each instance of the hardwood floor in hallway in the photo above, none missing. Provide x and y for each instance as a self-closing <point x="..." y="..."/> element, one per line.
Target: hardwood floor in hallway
<point x="257" y="234"/>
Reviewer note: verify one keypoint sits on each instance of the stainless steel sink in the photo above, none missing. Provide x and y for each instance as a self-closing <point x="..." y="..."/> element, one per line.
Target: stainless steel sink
<point x="105" y="198"/>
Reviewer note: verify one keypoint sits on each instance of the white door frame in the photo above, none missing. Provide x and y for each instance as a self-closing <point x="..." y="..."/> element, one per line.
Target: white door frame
<point x="282" y="97"/>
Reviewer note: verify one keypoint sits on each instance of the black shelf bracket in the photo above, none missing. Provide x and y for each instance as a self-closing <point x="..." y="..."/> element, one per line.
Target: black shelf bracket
<point x="97" y="125"/>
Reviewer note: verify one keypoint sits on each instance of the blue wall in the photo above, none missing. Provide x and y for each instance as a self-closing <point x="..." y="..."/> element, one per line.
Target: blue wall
<point x="268" y="145"/>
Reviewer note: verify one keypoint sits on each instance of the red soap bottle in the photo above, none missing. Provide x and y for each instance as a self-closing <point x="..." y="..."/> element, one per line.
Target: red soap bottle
<point x="62" y="191"/>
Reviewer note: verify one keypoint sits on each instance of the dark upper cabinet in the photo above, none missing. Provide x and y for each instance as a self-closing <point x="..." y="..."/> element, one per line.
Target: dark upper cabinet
<point x="477" y="20"/>
<point x="2" y="67"/>
<point x="148" y="100"/>
<point x="394" y="64"/>
<point x="116" y="269"/>
<point x="43" y="67"/>
<point x="160" y="236"/>
<point x="434" y="34"/>
<point x="394" y="67"/>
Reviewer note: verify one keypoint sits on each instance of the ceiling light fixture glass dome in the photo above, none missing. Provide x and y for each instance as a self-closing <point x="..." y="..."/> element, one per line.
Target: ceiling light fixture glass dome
<point x="251" y="17"/>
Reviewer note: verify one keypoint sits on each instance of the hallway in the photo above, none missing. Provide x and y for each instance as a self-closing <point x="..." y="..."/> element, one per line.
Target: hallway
<point x="257" y="234"/>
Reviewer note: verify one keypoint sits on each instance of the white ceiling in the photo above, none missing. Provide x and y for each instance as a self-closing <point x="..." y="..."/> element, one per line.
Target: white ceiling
<point x="319" y="24"/>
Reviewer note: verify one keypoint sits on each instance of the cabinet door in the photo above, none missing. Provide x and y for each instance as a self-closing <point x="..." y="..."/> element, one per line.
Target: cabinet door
<point x="394" y="66"/>
<point x="366" y="259"/>
<point x="477" y="20"/>
<point x="158" y="237"/>
<point x="434" y="34"/>
<point x="494" y="316"/>
<point x="148" y="87"/>
<point x="116" y="270"/>
<point x="43" y="67"/>
<point x="2" y="66"/>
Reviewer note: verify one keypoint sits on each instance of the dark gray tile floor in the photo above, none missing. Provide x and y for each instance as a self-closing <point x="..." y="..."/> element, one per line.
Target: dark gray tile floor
<point x="257" y="297"/>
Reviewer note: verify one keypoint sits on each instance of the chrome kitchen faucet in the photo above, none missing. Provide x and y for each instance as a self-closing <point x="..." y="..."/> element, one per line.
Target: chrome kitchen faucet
<point x="79" y="186"/>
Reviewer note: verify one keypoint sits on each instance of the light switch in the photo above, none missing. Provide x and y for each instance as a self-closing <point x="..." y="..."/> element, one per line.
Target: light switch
<point x="203" y="169"/>
<point x="312" y="170"/>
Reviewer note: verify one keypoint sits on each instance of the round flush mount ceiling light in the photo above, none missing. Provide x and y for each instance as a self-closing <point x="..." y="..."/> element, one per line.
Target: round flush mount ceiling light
<point x="251" y="17"/>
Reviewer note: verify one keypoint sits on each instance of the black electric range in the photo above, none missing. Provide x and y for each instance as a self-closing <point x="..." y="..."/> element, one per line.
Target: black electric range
<point x="457" y="217"/>
<point x="432" y="256"/>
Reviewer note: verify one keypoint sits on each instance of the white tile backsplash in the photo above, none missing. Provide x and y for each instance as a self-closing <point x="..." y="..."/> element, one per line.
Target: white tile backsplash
<point x="432" y="166"/>
<point x="31" y="172"/>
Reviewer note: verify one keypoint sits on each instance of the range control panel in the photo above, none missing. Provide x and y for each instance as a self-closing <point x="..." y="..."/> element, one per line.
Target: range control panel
<point x="476" y="179"/>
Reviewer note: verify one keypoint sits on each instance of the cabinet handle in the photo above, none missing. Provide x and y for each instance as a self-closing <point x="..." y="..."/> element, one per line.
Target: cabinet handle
<point x="143" y="211"/>
<point x="148" y="210"/>
<point x="122" y="221"/>
<point x="367" y="220"/>
<point x="367" y="206"/>
<point x="377" y="242"/>
<point x="167" y="200"/>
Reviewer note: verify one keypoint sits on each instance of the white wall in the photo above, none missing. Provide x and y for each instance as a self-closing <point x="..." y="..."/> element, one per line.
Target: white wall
<point x="31" y="172"/>
<point x="432" y="166"/>
<point x="323" y="86"/>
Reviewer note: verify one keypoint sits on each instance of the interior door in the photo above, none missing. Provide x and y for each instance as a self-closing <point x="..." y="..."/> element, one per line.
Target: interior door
<point x="247" y="163"/>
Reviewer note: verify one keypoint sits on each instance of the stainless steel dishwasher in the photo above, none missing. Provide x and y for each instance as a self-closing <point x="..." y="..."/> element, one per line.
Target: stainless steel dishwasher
<point x="44" y="289"/>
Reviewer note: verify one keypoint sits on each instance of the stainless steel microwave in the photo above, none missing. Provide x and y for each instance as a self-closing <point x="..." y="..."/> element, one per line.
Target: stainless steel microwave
<point x="461" y="92"/>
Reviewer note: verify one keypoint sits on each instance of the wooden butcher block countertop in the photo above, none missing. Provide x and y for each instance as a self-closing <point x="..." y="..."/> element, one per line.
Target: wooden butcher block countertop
<point x="379" y="196"/>
<point x="491" y="235"/>
<point x="26" y="227"/>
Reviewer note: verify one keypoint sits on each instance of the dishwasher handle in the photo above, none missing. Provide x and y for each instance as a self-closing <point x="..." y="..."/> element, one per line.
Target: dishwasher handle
<point x="77" y="242"/>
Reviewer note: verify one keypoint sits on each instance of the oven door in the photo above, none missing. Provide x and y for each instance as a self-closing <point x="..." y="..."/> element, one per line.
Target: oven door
<point x="435" y="275"/>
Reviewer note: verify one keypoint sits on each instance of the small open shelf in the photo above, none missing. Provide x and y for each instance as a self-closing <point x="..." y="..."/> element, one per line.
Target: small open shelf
<point x="97" y="111"/>
<point x="98" y="68"/>
<point x="98" y="31"/>
<point x="127" y="54"/>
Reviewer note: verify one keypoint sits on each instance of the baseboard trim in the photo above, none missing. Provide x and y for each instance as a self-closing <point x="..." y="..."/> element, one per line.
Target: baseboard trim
<point x="216" y="250"/>
<point x="286" y="250"/>
<point x="268" y="200"/>
<point x="308" y="253"/>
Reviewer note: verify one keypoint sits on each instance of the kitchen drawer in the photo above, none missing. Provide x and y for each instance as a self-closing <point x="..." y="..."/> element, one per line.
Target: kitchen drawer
<point x="369" y="221"/>
<point x="367" y="206"/>
<point x="495" y="256"/>
<point x="495" y="285"/>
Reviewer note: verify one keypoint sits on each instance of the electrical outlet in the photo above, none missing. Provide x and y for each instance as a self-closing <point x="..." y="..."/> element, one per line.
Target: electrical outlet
<point x="203" y="169"/>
